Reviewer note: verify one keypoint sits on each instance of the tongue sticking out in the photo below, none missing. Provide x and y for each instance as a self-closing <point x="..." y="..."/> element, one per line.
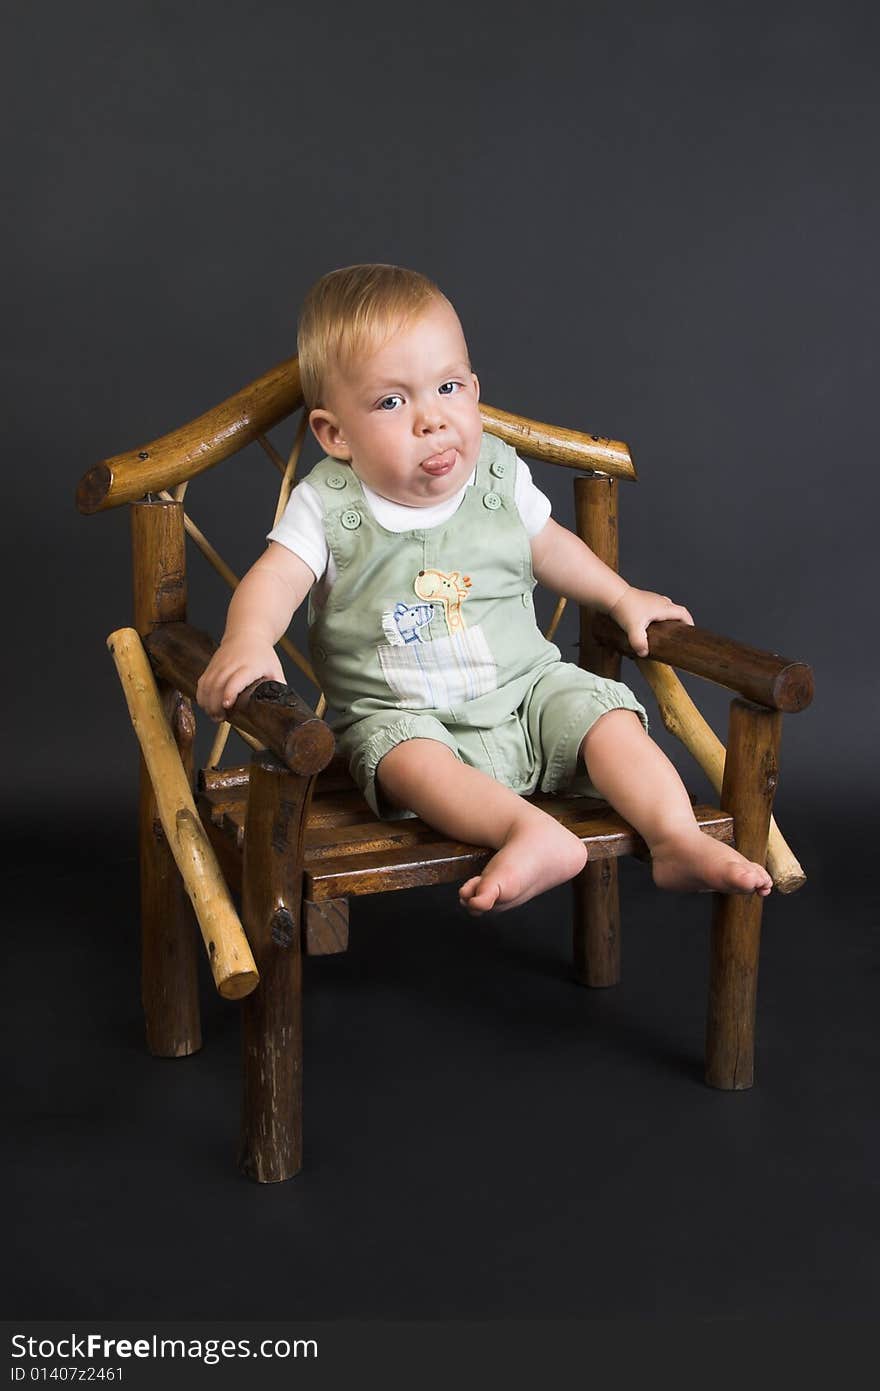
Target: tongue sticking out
<point x="439" y="463"/>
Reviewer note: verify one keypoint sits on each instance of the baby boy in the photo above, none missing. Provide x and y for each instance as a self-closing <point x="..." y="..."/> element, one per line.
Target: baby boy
<point x="418" y="540"/>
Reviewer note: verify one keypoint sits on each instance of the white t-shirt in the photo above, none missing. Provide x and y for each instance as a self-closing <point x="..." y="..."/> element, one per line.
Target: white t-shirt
<point x="301" y="528"/>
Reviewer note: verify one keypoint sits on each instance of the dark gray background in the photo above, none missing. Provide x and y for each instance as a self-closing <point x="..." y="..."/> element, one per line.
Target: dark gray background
<point x="657" y="222"/>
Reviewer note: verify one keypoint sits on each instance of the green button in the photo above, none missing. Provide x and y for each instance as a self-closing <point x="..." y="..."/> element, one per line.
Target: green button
<point x="492" y="501"/>
<point x="336" y="480"/>
<point x="499" y="468"/>
<point x="351" y="520"/>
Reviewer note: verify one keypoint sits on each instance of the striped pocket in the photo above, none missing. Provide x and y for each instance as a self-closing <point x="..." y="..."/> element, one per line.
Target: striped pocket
<point x="439" y="674"/>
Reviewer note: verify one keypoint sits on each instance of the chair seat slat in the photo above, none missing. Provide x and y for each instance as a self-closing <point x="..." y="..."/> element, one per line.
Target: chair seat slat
<point x="348" y="851"/>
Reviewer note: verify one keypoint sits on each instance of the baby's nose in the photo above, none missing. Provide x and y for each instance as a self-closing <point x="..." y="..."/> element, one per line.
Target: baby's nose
<point x="431" y="417"/>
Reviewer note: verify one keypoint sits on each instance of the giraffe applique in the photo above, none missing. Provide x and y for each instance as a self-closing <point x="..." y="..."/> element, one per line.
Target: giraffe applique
<point x="428" y="672"/>
<point x="450" y="590"/>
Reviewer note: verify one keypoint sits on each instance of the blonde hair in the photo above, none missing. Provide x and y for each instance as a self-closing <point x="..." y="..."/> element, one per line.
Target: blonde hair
<point x="353" y="310"/>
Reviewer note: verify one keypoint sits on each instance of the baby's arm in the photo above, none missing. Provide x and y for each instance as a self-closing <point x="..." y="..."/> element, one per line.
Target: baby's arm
<point x="562" y="562"/>
<point x="260" y="612"/>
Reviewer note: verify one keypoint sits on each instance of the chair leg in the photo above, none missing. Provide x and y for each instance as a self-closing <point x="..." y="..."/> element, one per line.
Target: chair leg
<point x="169" y="936"/>
<point x="271" y="1121"/>
<point x="750" y="778"/>
<point x="597" y="924"/>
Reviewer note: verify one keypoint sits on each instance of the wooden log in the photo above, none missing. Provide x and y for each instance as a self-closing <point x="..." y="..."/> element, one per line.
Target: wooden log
<point x="762" y="677"/>
<point x="199" y="445"/>
<point x="272" y="713"/>
<point x="596" y="946"/>
<point x="415" y="863"/>
<point x="169" y="948"/>
<point x="158" y="564"/>
<point x="228" y="846"/>
<point x="750" y="778"/>
<point x="271" y="1122"/>
<point x="169" y="934"/>
<point x="219" y="779"/>
<point x="221" y="738"/>
<point x="596" y="523"/>
<point x="232" y="964"/>
<point x="682" y="718"/>
<point x="559" y="610"/>
<point x="553" y="444"/>
<point x="596" y="934"/>
<point x="325" y="927"/>
<point x="234" y="423"/>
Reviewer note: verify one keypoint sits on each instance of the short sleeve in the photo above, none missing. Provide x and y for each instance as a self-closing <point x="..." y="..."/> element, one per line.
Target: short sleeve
<point x="301" y="529"/>
<point x="533" y="505"/>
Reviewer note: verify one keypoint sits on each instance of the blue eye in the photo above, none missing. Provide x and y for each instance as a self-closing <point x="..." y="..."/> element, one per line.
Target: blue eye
<point x="452" y="385"/>
<point x="388" y="403"/>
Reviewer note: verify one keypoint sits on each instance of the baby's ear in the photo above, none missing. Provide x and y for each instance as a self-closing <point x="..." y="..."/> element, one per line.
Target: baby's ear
<point x="328" y="432"/>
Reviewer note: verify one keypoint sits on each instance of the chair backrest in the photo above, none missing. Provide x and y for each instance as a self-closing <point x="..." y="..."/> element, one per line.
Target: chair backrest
<point x="179" y="456"/>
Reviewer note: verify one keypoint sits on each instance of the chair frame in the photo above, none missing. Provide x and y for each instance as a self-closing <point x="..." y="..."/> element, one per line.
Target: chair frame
<point x="290" y="907"/>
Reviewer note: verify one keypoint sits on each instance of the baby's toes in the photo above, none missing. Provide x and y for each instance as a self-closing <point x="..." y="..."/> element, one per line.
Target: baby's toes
<point x="742" y="878"/>
<point x="761" y="878"/>
<point x="755" y="879"/>
<point x="472" y="900"/>
<point x="484" y="897"/>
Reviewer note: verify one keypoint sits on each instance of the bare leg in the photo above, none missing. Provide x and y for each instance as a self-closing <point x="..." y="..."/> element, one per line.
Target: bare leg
<point x="636" y="777"/>
<point x="534" y="851"/>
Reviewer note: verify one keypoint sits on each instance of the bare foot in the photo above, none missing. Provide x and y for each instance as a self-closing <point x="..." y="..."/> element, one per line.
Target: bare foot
<point x="537" y="855"/>
<point x="693" y="861"/>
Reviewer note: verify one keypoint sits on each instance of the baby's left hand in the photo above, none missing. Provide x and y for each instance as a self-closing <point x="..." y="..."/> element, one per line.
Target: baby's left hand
<point x="636" y="608"/>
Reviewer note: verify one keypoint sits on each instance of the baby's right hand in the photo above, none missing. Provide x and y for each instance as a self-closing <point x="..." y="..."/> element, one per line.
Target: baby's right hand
<point x="237" y="662"/>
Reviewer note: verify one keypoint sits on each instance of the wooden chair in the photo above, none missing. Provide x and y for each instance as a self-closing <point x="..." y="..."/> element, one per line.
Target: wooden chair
<point x="292" y="834"/>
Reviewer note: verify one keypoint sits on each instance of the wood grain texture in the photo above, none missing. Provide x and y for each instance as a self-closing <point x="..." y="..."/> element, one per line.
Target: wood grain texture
<point x="596" y="523"/>
<point x="750" y="777"/>
<point x="762" y="677"/>
<point x="183" y="453"/>
<point x="271" y="1118"/>
<point x="682" y="718"/>
<point x="437" y="861"/>
<point x="325" y="927"/>
<point x="218" y="779"/>
<point x="596" y="930"/>
<point x="554" y="444"/>
<point x="349" y="851"/>
<point x="199" y="445"/>
<point x="268" y="711"/>
<point x="158" y="564"/>
<point x="168" y="932"/>
<point x="596" y="940"/>
<point x="232" y="964"/>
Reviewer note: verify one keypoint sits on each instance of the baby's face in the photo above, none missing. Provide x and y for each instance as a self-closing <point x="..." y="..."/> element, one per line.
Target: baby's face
<point x="406" y="416"/>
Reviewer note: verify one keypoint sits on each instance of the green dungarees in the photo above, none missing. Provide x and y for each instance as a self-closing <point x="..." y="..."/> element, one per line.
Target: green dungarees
<point x="431" y="634"/>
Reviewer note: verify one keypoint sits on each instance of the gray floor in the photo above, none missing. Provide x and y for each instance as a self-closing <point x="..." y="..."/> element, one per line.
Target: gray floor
<point x="483" y="1138"/>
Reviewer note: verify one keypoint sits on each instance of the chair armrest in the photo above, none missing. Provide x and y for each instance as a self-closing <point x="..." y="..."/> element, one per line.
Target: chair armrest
<point x="763" y="677"/>
<point x="272" y="713"/>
